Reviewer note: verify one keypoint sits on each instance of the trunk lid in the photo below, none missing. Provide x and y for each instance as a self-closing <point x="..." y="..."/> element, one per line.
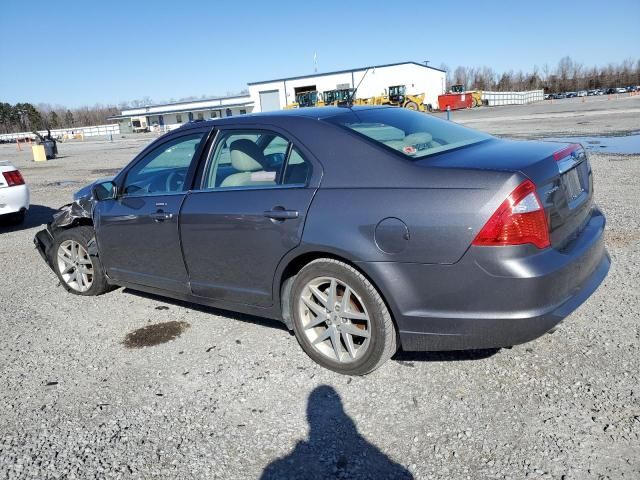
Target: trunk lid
<point x="561" y="172"/>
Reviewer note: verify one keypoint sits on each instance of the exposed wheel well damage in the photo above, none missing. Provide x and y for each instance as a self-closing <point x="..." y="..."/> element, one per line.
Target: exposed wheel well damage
<point x="295" y="265"/>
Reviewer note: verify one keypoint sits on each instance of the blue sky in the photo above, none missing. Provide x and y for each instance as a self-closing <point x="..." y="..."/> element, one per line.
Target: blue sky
<point x="110" y="51"/>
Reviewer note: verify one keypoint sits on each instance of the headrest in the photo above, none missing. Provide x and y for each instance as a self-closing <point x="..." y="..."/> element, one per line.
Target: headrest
<point x="246" y="156"/>
<point x="418" y="138"/>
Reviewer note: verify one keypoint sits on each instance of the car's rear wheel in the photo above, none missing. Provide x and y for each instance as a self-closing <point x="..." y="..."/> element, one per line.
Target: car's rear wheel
<point x="79" y="272"/>
<point x="340" y="319"/>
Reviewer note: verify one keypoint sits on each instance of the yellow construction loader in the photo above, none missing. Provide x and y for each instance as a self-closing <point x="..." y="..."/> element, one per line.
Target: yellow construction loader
<point x="475" y="94"/>
<point x="338" y="97"/>
<point x="397" y="97"/>
<point x="307" y="99"/>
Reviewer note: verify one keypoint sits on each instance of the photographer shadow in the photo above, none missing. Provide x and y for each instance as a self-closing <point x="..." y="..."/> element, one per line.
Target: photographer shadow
<point x="334" y="448"/>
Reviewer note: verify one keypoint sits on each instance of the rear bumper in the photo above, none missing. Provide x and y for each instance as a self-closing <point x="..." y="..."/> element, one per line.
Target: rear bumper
<point x="43" y="241"/>
<point x="14" y="199"/>
<point x="494" y="296"/>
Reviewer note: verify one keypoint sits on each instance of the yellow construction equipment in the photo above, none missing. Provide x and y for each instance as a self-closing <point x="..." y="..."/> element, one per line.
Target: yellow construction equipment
<point x="338" y="97"/>
<point x="397" y="97"/>
<point x="307" y="99"/>
<point x="475" y="94"/>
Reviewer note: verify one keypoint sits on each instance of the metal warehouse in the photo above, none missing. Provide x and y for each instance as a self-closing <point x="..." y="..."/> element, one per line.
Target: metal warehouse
<point x="375" y="80"/>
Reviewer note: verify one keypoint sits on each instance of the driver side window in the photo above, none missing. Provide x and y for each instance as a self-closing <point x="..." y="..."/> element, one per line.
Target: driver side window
<point x="164" y="169"/>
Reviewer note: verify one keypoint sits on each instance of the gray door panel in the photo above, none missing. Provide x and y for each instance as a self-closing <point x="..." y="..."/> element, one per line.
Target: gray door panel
<point x="232" y="244"/>
<point x="139" y="242"/>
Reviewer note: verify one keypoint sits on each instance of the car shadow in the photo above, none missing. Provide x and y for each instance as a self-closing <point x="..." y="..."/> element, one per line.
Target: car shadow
<point x="334" y="448"/>
<point x="405" y="358"/>
<point x="243" y="317"/>
<point x="36" y="216"/>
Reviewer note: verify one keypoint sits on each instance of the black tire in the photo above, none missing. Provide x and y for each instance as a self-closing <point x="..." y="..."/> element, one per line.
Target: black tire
<point x="383" y="341"/>
<point x="412" y="106"/>
<point x="82" y="235"/>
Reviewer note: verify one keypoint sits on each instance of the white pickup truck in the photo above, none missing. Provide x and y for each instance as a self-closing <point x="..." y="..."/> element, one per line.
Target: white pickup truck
<point x="14" y="194"/>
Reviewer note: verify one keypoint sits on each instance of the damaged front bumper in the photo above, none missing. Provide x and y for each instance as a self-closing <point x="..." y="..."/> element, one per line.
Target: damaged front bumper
<point x="66" y="217"/>
<point x="43" y="241"/>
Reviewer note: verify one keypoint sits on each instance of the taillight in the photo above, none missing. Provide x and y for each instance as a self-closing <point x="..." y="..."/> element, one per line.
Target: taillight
<point x="566" y="151"/>
<point x="13" y="178"/>
<point x="518" y="220"/>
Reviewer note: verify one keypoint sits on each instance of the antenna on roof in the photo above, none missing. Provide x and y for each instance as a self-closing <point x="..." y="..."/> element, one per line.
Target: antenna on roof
<point x="353" y="94"/>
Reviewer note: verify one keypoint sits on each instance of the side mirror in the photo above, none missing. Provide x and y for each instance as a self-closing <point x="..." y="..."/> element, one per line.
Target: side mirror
<point x="104" y="191"/>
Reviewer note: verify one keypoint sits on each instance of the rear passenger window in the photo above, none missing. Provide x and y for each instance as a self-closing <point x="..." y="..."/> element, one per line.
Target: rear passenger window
<point x="297" y="169"/>
<point x="251" y="159"/>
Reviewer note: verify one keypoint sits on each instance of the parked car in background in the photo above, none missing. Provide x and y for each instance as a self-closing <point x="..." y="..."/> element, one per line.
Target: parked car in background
<point x="548" y="96"/>
<point x="609" y="91"/>
<point x="621" y="90"/>
<point x="582" y="93"/>
<point x="363" y="229"/>
<point x="599" y="91"/>
<point x="14" y="194"/>
<point x="572" y="94"/>
<point x="591" y="93"/>
<point x="559" y="96"/>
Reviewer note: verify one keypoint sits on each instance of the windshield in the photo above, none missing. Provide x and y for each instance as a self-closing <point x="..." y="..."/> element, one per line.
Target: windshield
<point x="414" y="134"/>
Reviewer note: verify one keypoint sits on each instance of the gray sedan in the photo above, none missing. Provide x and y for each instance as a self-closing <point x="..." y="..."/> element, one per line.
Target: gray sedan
<point x="363" y="229"/>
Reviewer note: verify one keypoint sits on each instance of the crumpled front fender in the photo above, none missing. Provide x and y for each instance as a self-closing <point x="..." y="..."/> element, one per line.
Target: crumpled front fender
<point x="70" y="213"/>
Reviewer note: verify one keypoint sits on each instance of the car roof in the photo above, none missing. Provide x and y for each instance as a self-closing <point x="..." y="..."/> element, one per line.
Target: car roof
<point x="314" y="113"/>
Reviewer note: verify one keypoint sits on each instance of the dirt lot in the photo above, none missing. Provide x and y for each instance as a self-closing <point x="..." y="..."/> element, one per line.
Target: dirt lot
<point x="219" y="395"/>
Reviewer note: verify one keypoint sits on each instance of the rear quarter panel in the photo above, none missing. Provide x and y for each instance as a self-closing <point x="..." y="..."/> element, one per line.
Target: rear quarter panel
<point x="366" y="224"/>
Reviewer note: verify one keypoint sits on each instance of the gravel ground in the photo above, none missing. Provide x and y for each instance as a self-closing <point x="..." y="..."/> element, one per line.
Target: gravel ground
<point x="219" y="395"/>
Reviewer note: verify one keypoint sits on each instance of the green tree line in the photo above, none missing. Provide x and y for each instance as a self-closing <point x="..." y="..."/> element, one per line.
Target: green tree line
<point x="23" y="117"/>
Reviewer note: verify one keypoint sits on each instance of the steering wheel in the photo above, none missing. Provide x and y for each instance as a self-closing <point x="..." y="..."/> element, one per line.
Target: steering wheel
<point x="175" y="181"/>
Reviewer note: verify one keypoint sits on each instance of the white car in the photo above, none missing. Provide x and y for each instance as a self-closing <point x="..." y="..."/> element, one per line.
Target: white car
<point x="14" y="194"/>
<point x="621" y="90"/>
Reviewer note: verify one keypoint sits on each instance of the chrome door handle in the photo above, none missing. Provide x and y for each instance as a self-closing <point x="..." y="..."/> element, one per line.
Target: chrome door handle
<point x="161" y="216"/>
<point x="281" y="214"/>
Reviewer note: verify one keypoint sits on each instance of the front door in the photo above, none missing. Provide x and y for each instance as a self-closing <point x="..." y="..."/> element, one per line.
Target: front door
<point x="137" y="233"/>
<point x="249" y="213"/>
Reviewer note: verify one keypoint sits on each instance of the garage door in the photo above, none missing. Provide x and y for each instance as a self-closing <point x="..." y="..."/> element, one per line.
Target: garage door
<point x="269" y="100"/>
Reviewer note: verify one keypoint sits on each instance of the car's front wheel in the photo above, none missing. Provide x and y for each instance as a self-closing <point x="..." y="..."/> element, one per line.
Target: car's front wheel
<point x="340" y="319"/>
<point x="79" y="272"/>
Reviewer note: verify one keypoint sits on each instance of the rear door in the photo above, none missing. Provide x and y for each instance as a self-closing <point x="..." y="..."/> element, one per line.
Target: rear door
<point x="256" y="189"/>
<point x="137" y="232"/>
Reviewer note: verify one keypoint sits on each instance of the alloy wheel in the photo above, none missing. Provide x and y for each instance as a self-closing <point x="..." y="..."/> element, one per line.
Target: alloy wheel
<point x="75" y="266"/>
<point x="335" y="320"/>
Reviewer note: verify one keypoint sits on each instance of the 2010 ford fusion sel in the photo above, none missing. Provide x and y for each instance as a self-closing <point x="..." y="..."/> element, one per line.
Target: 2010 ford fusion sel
<point x="363" y="229"/>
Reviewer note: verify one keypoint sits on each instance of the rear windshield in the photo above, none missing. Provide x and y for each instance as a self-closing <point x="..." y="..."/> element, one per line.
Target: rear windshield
<point x="414" y="134"/>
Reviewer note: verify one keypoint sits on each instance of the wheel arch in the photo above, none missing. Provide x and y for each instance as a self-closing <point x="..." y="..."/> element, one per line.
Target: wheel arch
<point x="291" y="265"/>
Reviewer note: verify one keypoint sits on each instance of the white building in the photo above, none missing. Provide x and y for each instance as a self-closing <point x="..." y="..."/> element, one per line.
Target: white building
<point x="167" y="116"/>
<point x="276" y="94"/>
<point x="417" y="78"/>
